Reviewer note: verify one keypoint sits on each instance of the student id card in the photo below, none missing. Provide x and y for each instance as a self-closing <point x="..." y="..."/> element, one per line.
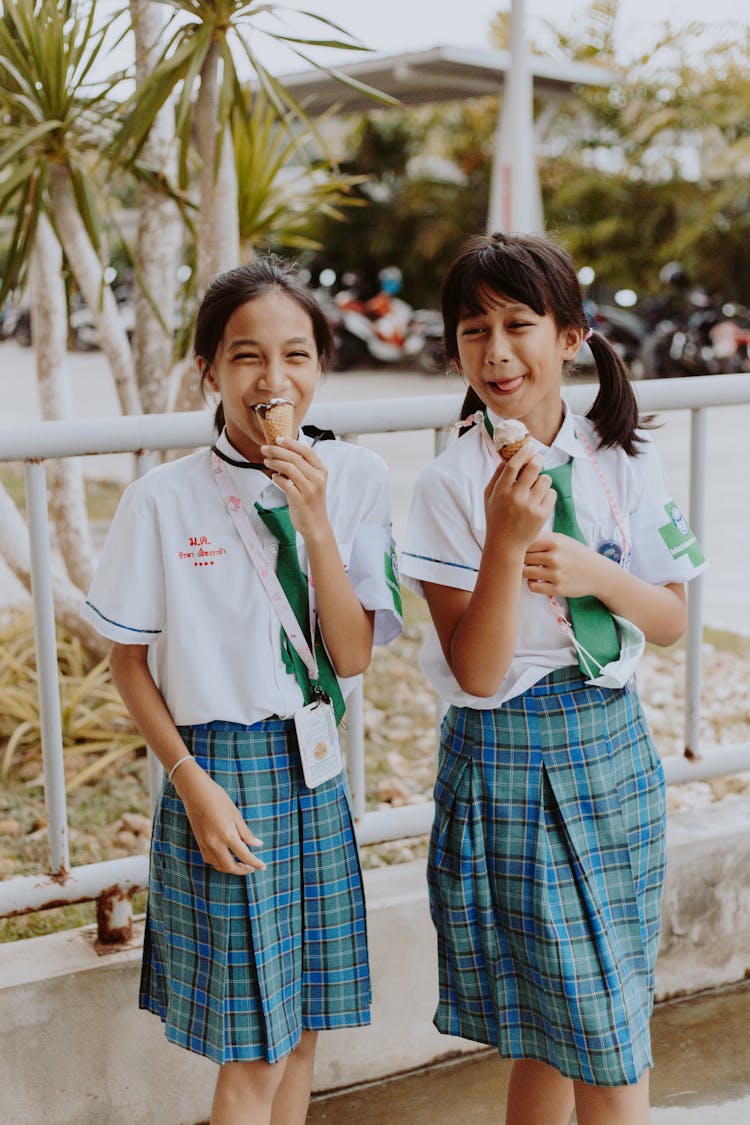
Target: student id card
<point x="319" y="746"/>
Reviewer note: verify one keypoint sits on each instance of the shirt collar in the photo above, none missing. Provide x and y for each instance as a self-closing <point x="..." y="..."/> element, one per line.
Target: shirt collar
<point x="566" y="440"/>
<point x="251" y="483"/>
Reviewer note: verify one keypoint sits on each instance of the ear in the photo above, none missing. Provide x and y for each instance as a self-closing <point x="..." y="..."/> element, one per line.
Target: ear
<point x="571" y="339"/>
<point x="206" y="371"/>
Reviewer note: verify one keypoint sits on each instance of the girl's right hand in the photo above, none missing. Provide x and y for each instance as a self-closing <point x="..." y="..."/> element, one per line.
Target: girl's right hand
<point x="518" y="501"/>
<point x="219" y="829"/>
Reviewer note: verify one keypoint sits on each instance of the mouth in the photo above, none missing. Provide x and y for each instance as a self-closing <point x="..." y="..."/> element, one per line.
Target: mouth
<point x="507" y="386"/>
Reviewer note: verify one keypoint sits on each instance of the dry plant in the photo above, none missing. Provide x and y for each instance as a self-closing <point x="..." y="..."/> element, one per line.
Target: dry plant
<point x="95" y="724"/>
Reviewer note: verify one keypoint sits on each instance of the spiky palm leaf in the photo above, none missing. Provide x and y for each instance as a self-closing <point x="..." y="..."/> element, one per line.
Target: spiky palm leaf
<point x="51" y="111"/>
<point x="282" y="191"/>
<point x="198" y="26"/>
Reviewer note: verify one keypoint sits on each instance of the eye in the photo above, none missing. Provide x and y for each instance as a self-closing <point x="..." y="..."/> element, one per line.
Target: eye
<point x="520" y="324"/>
<point x="472" y="330"/>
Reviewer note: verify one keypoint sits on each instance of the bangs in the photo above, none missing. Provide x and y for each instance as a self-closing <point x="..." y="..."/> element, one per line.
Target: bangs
<point x="506" y="275"/>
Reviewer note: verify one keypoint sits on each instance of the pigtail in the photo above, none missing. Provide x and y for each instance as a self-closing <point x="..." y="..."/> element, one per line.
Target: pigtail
<point x="471" y="404"/>
<point x="219" y="417"/>
<point x="615" y="408"/>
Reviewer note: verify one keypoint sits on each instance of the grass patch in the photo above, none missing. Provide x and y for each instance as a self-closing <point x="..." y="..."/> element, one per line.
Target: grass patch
<point x="102" y="496"/>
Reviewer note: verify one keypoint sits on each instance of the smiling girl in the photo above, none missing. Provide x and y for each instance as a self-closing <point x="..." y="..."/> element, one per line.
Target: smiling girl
<point x="243" y="588"/>
<point x="542" y="574"/>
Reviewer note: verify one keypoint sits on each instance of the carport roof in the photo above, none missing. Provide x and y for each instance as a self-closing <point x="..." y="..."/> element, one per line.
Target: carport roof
<point x="435" y="75"/>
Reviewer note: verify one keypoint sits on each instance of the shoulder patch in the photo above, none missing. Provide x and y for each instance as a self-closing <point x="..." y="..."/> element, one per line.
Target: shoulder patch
<point x="678" y="537"/>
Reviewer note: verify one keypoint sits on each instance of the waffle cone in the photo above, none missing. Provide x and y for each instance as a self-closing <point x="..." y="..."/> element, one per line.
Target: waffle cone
<point x="278" y="421"/>
<point x="507" y="451"/>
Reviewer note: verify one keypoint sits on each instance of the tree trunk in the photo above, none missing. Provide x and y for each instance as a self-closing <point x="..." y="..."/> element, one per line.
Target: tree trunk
<point x="218" y="238"/>
<point x="218" y="246"/>
<point x="159" y="235"/>
<point x="49" y="327"/>
<point x="14" y="547"/>
<point x="89" y="273"/>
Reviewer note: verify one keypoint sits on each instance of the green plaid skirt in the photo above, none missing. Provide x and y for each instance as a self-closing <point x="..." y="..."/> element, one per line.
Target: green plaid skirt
<point x="546" y="868"/>
<point x="238" y="966"/>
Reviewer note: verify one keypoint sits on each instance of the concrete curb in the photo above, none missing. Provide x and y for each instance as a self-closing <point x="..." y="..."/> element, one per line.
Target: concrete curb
<point x="78" y="1052"/>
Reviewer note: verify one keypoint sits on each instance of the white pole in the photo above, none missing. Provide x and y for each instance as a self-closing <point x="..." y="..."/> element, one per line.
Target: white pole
<point x="515" y="196"/>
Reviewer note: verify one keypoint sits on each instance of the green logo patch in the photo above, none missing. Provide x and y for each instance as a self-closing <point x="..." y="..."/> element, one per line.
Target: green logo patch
<point x="391" y="579"/>
<point x="679" y="538"/>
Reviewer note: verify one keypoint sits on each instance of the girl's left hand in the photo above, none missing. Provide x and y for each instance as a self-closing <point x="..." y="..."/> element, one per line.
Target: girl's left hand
<point x="301" y="475"/>
<point x="557" y="564"/>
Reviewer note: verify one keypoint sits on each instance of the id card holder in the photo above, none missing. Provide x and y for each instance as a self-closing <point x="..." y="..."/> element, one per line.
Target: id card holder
<point x="319" y="746"/>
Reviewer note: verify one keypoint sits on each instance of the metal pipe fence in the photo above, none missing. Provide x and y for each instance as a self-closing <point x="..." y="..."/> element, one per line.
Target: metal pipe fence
<point x="112" y="882"/>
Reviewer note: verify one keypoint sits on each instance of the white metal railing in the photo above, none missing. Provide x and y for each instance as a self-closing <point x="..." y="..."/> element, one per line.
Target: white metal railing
<point x="112" y="882"/>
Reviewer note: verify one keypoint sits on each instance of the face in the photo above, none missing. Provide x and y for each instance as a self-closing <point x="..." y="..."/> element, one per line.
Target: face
<point x="267" y="351"/>
<point x="513" y="359"/>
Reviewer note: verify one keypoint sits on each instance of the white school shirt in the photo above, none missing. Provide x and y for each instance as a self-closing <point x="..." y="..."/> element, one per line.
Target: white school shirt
<point x="446" y="532"/>
<point x="175" y="575"/>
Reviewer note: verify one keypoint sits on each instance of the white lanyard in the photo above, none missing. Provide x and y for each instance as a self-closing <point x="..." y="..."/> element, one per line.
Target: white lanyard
<point x="267" y="572"/>
<point x="560" y="617"/>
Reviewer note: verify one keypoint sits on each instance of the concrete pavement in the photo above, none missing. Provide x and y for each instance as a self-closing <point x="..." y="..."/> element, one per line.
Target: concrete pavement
<point x="701" y="1076"/>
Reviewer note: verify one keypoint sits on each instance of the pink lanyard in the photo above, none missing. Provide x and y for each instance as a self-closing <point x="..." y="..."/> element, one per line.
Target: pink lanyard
<point x="560" y="617"/>
<point x="266" y="571"/>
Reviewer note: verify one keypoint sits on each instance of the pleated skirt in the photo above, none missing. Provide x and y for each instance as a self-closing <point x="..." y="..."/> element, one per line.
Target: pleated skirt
<point x="238" y="966"/>
<point x="546" y="869"/>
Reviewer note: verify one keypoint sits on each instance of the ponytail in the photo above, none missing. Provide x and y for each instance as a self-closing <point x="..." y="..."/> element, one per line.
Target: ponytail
<point x="615" y="408"/>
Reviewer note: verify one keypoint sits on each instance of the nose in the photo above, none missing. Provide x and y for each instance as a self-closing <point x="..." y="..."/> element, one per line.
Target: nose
<point x="498" y="348"/>
<point x="273" y="376"/>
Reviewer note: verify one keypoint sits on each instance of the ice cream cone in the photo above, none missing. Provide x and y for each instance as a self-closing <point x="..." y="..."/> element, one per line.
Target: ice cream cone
<point x="507" y="451"/>
<point x="276" y="418"/>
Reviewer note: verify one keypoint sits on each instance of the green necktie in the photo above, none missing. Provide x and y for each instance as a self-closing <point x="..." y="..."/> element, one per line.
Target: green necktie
<point x="593" y="625"/>
<point x="294" y="584"/>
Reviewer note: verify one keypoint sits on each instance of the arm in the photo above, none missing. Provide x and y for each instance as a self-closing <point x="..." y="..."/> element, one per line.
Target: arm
<point x="478" y="629"/>
<point x="557" y="564"/>
<point x="219" y="829"/>
<point x="347" y="628"/>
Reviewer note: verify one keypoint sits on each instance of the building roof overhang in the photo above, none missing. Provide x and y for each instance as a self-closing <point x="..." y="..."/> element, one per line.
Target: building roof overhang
<point x="435" y="75"/>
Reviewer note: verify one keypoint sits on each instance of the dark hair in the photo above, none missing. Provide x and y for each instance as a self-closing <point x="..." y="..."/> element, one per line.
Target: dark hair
<point x="537" y="272"/>
<point x="228" y="291"/>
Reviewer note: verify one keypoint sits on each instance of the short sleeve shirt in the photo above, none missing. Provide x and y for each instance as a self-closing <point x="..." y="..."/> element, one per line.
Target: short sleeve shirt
<point x="446" y="532"/>
<point x="175" y="575"/>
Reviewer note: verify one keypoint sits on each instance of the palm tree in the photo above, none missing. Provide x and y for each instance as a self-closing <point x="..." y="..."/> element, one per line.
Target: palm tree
<point x="160" y="228"/>
<point x="55" y="120"/>
<point x="210" y="44"/>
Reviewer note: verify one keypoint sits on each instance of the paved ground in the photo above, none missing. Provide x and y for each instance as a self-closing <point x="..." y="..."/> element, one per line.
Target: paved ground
<point x="701" y="1076"/>
<point x="727" y="540"/>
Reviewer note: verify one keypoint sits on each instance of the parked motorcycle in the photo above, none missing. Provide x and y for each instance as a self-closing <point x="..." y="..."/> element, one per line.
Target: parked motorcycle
<point x="691" y="344"/>
<point x="623" y="329"/>
<point x="385" y="328"/>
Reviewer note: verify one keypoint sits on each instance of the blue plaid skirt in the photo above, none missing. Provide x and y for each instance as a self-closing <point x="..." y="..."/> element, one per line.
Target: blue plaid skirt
<point x="238" y="966"/>
<point x="546" y="868"/>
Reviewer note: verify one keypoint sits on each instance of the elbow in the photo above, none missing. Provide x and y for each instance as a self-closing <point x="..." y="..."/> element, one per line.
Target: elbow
<point x="481" y="679"/>
<point x="352" y="664"/>
<point x="478" y="683"/>
<point x="478" y="688"/>
<point x="668" y="636"/>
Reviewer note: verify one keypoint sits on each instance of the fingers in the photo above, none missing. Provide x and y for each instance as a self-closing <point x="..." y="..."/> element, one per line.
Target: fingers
<point x="296" y="465"/>
<point x="287" y="451"/>
<point x="232" y="854"/>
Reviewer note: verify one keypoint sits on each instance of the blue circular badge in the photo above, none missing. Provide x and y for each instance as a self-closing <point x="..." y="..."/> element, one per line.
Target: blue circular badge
<point x="679" y="520"/>
<point x="611" y="549"/>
